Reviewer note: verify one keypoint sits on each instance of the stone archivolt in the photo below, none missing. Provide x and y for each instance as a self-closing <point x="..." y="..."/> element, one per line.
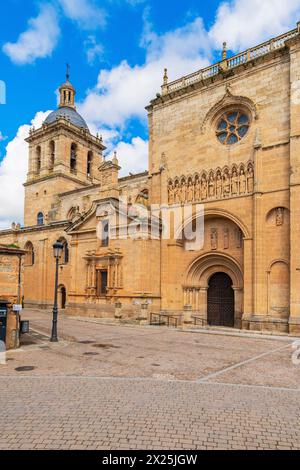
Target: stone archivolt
<point x="214" y="184"/>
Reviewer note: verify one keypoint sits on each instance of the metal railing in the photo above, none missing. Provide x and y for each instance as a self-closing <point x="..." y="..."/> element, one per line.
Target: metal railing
<point x="163" y="319"/>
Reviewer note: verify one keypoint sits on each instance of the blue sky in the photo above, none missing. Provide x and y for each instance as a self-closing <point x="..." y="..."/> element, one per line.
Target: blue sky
<point x="31" y="87"/>
<point x="117" y="50"/>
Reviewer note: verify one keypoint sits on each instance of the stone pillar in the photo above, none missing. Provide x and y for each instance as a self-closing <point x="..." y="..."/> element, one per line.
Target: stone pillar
<point x="294" y="321"/>
<point x="238" y="306"/>
<point x="187" y="314"/>
<point x="118" y="310"/>
<point x="248" y="301"/>
<point x="144" y="315"/>
<point x="203" y="302"/>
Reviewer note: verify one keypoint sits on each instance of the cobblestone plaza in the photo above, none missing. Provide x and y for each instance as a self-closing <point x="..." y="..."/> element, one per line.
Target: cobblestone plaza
<point x="172" y="389"/>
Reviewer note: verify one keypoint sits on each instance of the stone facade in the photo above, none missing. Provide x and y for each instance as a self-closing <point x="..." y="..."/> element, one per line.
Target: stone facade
<point x="226" y="137"/>
<point x="11" y="273"/>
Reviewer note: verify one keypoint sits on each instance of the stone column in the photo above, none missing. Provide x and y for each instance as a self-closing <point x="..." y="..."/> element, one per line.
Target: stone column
<point x="144" y="315"/>
<point x="203" y="302"/>
<point x="238" y="306"/>
<point x="187" y="314"/>
<point x="294" y="321"/>
<point x="248" y="301"/>
<point x="118" y="309"/>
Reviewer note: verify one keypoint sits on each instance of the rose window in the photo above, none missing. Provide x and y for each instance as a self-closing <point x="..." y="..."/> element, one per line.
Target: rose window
<point x="232" y="127"/>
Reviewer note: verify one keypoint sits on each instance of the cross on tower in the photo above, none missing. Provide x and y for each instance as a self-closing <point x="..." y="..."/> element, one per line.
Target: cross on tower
<point x="68" y="72"/>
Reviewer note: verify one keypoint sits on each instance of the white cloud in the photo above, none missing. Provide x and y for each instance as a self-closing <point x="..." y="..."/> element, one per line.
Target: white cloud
<point x="123" y="91"/>
<point x="85" y="12"/>
<point x="245" y="23"/>
<point x="132" y="156"/>
<point x="93" y="50"/>
<point x="13" y="170"/>
<point x="38" y="41"/>
<point x="2" y="137"/>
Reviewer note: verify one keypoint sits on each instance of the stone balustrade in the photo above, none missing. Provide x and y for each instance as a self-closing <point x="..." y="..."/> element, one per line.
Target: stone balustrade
<point x="239" y="59"/>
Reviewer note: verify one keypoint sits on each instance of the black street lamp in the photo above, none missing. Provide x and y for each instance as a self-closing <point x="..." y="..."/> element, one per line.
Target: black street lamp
<point x="57" y="251"/>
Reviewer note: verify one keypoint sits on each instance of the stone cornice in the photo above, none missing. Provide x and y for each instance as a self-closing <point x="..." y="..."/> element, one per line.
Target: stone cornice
<point x="58" y="174"/>
<point x="65" y="125"/>
<point x="241" y="62"/>
<point x="8" y="250"/>
<point x="79" y="190"/>
<point x="36" y="228"/>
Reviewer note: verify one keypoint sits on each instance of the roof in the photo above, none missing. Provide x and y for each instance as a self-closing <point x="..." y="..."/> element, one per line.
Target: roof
<point x="69" y="114"/>
<point x="11" y="249"/>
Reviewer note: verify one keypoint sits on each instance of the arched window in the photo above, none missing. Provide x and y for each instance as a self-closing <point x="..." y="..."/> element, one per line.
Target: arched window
<point x="52" y="154"/>
<point x="89" y="164"/>
<point x="40" y="218"/>
<point x="73" y="157"/>
<point x="38" y="159"/>
<point x="65" y="253"/>
<point x="29" y="257"/>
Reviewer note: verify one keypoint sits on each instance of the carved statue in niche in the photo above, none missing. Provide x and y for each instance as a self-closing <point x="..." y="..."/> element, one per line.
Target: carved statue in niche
<point x="214" y="238"/>
<point x="250" y="179"/>
<point x="197" y="193"/>
<point x="211" y="186"/>
<point x="234" y="183"/>
<point x="226" y="238"/>
<point x="279" y="216"/>
<point x="183" y="192"/>
<point x="176" y="193"/>
<point x="242" y="181"/>
<point x="171" y="193"/>
<point x="203" y="188"/>
<point x="190" y="191"/>
<point x="219" y="185"/>
<point x="226" y="184"/>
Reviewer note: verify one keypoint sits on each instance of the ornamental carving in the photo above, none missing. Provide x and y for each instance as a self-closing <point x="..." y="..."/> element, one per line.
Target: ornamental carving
<point x="219" y="184"/>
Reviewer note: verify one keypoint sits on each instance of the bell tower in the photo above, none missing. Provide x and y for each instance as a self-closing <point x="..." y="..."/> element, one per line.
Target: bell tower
<point x="63" y="156"/>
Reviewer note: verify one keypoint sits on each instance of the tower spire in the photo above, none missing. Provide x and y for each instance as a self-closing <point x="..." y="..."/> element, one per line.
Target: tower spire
<point x="67" y="92"/>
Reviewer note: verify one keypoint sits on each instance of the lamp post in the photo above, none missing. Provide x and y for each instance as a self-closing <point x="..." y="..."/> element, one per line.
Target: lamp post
<point x="57" y="251"/>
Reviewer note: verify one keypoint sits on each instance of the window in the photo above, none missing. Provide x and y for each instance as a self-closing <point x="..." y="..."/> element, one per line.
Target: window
<point x="40" y="218"/>
<point x="105" y="232"/>
<point x="52" y="154"/>
<point x="38" y="159"/>
<point x="89" y="164"/>
<point x="73" y="157"/>
<point x="29" y="257"/>
<point x="101" y="276"/>
<point x="232" y="127"/>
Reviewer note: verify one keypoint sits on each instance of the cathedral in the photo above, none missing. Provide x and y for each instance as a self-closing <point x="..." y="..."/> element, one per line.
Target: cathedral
<point x="225" y="138"/>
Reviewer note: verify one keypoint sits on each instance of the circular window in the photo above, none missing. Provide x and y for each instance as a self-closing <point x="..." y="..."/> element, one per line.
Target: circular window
<point x="232" y="127"/>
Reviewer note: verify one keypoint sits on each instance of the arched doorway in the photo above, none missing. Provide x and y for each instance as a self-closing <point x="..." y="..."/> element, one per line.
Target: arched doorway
<point x="220" y="300"/>
<point x="62" y="297"/>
